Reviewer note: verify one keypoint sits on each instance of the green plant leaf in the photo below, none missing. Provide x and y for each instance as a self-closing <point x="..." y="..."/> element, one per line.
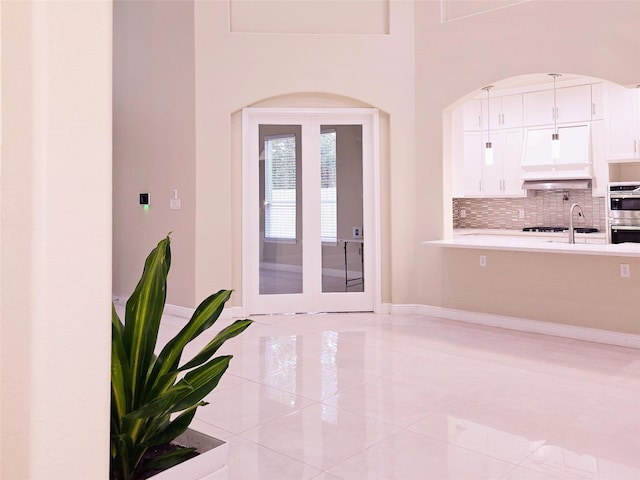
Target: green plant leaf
<point x="203" y="380"/>
<point x="128" y="457"/>
<point x="169" y="459"/>
<point x="145" y="388"/>
<point x="236" y="328"/>
<point x="204" y="317"/>
<point x="120" y="373"/>
<point x="174" y="428"/>
<point x="163" y="404"/>
<point x="142" y="316"/>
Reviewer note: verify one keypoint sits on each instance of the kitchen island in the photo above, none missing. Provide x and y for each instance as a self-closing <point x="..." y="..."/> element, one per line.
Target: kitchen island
<point x="514" y="240"/>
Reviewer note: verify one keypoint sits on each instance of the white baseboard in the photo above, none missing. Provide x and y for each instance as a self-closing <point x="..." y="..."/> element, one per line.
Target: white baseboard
<point x="524" y="325"/>
<point x="178" y="311"/>
<point x="185" y="312"/>
<point x="384" y="308"/>
<point x="501" y="321"/>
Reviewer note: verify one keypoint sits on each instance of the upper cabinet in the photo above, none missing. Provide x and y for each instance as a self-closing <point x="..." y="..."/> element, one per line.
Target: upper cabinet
<point x="572" y="104"/>
<point x="597" y="101"/>
<point x="472" y="116"/>
<point x="472" y="161"/>
<point x="622" y="131"/>
<point x="600" y="165"/>
<point x="499" y="121"/>
<point x="503" y="112"/>
<point x="597" y="122"/>
<point x="503" y="177"/>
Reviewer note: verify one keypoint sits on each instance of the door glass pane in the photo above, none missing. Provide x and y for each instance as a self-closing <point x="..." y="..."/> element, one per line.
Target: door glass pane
<point x="341" y="210"/>
<point x="280" y="209"/>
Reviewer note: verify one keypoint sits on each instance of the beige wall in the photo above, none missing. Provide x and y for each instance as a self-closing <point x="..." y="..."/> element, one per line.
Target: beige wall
<point x="578" y="290"/>
<point x="55" y="201"/>
<point x="599" y="39"/>
<point x="233" y="71"/>
<point x="248" y="70"/>
<point x="154" y="142"/>
<point x="414" y="75"/>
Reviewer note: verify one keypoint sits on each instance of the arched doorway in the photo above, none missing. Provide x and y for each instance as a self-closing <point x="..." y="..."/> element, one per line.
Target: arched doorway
<point x="310" y="216"/>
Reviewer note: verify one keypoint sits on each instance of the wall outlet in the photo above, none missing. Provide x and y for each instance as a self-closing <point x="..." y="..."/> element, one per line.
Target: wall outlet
<point x="357" y="232"/>
<point x="463" y="213"/>
<point x="625" y="271"/>
<point x="521" y="213"/>
<point x="483" y="260"/>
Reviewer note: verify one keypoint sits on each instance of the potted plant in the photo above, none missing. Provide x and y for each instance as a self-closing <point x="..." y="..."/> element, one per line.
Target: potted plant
<point x="154" y="397"/>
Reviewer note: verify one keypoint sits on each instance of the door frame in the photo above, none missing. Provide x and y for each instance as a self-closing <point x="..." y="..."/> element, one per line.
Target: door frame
<point x="371" y="190"/>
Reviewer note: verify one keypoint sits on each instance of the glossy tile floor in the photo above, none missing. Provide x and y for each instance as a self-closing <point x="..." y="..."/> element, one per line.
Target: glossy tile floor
<point x="365" y="396"/>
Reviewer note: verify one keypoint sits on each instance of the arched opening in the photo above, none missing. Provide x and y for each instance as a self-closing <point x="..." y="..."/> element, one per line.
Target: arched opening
<point x="599" y="125"/>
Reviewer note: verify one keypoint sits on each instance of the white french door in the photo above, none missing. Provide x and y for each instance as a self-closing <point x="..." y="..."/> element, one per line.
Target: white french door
<point x="310" y="210"/>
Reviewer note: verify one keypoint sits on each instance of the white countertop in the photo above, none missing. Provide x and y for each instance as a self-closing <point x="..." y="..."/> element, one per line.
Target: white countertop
<point x="489" y="239"/>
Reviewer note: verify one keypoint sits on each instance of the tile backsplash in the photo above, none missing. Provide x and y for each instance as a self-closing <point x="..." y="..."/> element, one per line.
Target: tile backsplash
<point x="548" y="208"/>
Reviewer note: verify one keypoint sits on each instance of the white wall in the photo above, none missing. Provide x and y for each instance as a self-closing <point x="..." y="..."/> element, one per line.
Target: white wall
<point x="55" y="200"/>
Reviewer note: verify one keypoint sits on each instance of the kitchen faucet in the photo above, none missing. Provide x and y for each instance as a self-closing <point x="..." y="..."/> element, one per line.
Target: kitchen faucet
<point x="572" y="237"/>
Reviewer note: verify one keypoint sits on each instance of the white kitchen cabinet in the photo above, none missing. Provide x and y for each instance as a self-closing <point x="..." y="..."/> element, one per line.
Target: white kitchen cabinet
<point x="457" y="153"/>
<point x="574" y="160"/>
<point x="472" y="154"/>
<point x="504" y="177"/>
<point x="597" y="101"/>
<point x="598" y="157"/>
<point x="472" y="115"/>
<point x="573" y="104"/>
<point x="622" y="112"/>
<point x="503" y="112"/>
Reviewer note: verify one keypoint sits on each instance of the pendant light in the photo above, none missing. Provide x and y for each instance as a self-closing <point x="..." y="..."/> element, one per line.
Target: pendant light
<point x="488" y="147"/>
<point x="555" y="136"/>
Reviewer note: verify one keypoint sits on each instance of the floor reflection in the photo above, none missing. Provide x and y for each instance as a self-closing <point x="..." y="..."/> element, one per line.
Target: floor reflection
<point x="350" y="396"/>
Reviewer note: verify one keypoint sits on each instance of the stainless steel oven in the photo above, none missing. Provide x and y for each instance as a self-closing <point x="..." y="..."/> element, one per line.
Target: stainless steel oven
<point x="623" y="212"/>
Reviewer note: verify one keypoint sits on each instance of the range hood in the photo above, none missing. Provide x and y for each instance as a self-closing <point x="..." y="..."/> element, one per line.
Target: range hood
<point x="574" y="168"/>
<point x="570" y="184"/>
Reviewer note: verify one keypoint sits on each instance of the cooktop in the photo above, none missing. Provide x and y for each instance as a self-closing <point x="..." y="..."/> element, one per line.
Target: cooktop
<point x="560" y="229"/>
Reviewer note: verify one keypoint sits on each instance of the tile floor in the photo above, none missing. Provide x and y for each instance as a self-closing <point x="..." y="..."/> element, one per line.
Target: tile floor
<point x="365" y="396"/>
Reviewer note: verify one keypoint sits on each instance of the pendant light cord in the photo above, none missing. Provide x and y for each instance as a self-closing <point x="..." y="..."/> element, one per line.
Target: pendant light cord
<point x="555" y="103"/>
<point x="555" y="106"/>
<point x="487" y="89"/>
